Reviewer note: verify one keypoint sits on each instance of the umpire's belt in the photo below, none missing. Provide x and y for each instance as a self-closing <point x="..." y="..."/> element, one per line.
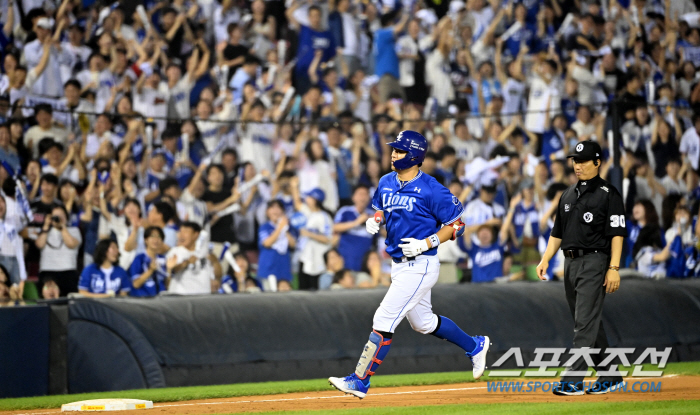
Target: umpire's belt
<point x="403" y="259"/>
<point x="575" y="253"/>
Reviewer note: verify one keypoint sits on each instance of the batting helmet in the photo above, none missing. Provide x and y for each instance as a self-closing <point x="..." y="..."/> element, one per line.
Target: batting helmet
<point x="412" y="143"/>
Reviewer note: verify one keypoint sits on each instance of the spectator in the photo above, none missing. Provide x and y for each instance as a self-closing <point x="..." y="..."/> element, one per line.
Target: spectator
<point x="190" y="270"/>
<point x="11" y="249"/>
<point x="160" y="214"/>
<point x="312" y="38"/>
<point x="50" y="290"/>
<point x="371" y="275"/>
<point x="59" y="245"/>
<point x="342" y="280"/>
<point x="45" y="128"/>
<point x="350" y="224"/>
<point x="484" y="211"/>
<point x="148" y="271"/>
<point x="387" y="60"/>
<point x="334" y="263"/>
<point x="9" y="292"/>
<point x="104" y="278"/>
<point x="526" y="229"/>
<point x="275" y="243"/>
<point x="314" y="236"/>
<point x="487" y="253"/>
<point x="242" y="280"/>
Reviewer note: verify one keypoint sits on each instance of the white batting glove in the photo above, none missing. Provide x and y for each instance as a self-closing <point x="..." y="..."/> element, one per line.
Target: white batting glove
<point x="413" y="247"/>
<point x="372" y="226"/>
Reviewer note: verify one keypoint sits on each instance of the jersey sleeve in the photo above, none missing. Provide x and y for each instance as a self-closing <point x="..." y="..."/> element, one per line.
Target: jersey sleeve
<point x="125" y="281"/>
<point x="445" y="206"/>
<point x="616" y="215"/>
<point x="136" y="267"/>
<point x="84" y="282"/>
<point x="377" y="199"/>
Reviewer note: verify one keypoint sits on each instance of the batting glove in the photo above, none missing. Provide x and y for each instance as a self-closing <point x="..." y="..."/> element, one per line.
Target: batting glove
<point x="413" y="247"/>
<point x="372" y="226"/>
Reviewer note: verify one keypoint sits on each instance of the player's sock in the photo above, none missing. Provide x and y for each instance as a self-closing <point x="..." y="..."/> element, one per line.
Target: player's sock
<point x="448" y="330"/>
<point x="375" y="351"/>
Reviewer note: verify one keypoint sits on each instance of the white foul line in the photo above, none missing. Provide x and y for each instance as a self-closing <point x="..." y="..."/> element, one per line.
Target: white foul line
<point x="319" y="397"/>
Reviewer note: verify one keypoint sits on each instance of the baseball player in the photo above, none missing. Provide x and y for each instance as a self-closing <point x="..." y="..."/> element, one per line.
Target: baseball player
<point x="414" y="206"/>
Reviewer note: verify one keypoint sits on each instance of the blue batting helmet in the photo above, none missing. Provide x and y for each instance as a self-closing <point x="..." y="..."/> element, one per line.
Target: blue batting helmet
<point x="412" y="143"/>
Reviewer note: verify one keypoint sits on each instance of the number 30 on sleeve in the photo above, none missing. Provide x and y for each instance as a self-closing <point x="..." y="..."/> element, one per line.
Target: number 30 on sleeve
<point x="617" y="221"/>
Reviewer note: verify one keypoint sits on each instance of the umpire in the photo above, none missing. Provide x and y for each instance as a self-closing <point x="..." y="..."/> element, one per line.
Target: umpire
<point x="589" y="228"/>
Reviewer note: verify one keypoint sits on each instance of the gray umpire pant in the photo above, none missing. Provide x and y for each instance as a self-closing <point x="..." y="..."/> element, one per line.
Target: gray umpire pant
<point x="583" y="281"/>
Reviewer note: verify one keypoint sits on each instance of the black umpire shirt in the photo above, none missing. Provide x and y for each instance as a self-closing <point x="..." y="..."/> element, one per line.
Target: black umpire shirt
<point x="590" y="213"/>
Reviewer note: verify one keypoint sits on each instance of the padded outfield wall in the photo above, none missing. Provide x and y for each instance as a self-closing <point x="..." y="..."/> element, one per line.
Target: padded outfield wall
<point x="118" y="344"/>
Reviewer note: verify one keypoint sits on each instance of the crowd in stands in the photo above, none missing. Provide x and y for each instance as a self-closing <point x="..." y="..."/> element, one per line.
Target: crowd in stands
<point x="225" y="146"/>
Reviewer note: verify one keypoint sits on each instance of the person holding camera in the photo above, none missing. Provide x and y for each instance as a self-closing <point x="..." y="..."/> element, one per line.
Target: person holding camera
<point x="59" y="245"/>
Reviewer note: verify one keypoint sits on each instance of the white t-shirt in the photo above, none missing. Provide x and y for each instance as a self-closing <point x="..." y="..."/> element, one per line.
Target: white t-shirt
<point x="117" y="224"/>
<point x="513" y="93"/>
<point x="50" y="82"/>
<point x="350" y="35"/>
<point x="71" y="57"/>
<point x="93" y="142"/>
<point x="153" y="103"/>
<point x="477" y="212"/>
<point x="406" y="46"/>
<point x="256" y="145"/>
<point x="312" y="251"/>
<point x="195" y="279"/>
<point x="690" y="146"/>
<point x="36" y="134"/>
<point x="56" y="256"/>
<point x="180" y="96"/>
<point x="540" y="92"/>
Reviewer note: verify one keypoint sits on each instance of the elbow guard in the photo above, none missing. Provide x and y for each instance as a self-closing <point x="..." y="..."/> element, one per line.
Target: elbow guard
<point x="457" y="229"/>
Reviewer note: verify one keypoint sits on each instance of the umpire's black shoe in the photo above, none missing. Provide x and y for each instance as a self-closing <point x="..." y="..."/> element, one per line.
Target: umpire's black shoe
<point x="600" y="388"/>
<point x="567" y="389"/>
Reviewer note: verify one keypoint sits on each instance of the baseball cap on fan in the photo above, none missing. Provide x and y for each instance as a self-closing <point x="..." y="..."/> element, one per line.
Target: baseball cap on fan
<point x="586" y="150"/>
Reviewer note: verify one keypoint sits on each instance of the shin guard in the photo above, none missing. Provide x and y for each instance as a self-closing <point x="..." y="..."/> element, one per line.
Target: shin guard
<point x="375" y="351"/>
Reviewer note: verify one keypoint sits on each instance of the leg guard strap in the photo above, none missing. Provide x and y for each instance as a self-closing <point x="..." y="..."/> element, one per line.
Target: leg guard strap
<point x="369" y="360"/>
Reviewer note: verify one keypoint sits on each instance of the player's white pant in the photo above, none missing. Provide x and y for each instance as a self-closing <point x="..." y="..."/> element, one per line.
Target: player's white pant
<point x="409" y="296"/>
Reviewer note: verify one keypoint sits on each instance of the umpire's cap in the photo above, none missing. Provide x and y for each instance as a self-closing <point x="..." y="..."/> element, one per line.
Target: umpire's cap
<point x="586" y="150"/>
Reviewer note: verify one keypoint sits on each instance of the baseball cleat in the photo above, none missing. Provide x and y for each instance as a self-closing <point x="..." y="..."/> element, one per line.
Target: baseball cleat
<point x="478" y="355"/>
<point x="351" y="385"/>
<point x="600" y="388"/>
<point x="567" y="389"/>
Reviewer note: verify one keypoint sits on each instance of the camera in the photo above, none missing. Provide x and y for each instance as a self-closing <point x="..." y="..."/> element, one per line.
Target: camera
<point x="55" y="219"/>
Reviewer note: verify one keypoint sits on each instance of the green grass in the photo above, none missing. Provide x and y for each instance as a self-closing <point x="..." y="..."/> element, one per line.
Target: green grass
<point x="270" y="388"/>
<point x="646" y="408"/>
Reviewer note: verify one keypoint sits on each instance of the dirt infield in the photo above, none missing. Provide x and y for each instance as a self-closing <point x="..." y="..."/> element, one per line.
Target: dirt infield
<point x="672" y="388"/>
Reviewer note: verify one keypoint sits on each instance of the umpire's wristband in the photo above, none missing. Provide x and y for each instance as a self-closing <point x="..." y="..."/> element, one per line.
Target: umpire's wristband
<point x="434" y="241"/>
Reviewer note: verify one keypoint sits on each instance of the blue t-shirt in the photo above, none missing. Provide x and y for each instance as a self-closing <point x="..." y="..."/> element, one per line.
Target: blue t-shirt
<point x="275" y="260"/>
<point x="552" y="143"/>
<point x="416" y="209"/>
<point x="526" y="34"/>
<point x="153" y="285"/>
<point x="520" y="218"/>
<point x="355" y="242"/>
<point x="95" y="280"/>
<point x="487" y="260"/>
<point x="387" y="62"/>
<point x="309" y="41"/>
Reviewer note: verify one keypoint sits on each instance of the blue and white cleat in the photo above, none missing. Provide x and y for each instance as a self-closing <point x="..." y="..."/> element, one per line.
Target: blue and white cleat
<point x="478" y="356"/>
<point x="350" y="384"/>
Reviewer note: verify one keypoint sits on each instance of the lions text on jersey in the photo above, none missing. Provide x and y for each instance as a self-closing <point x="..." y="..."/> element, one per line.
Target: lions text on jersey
<point x="414" y="209"/>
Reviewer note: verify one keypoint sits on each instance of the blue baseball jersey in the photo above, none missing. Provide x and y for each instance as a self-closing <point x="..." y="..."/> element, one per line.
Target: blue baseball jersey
<point x="487" y="260"/>
<point x="96" y="280"/>
<point x="277" y="259"/>
<point x="355" y="242"/>
<point x="414" y="209"/>
<point x="526" y="216"/>
<point x="153" y="285"/>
